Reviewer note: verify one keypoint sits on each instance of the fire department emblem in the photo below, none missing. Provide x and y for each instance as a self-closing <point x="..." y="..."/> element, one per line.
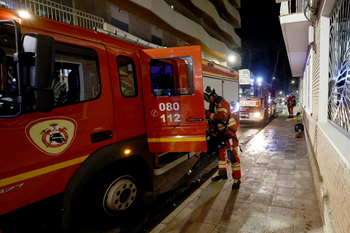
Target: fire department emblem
<point x="52" y="135"/>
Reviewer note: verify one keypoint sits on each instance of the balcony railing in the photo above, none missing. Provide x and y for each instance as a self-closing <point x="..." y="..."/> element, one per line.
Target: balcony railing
<point x="63" y="13"/>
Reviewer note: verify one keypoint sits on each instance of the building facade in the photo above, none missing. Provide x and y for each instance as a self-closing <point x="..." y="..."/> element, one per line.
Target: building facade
<point x="322" y="61"/>
<point x="164" y="23"/>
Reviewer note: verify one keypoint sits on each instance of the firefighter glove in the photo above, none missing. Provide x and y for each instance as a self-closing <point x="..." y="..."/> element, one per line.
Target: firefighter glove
<point x="207" y="114"/>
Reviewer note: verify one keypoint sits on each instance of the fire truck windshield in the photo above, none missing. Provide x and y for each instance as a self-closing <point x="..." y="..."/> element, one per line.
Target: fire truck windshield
<point x="249" y="91"/>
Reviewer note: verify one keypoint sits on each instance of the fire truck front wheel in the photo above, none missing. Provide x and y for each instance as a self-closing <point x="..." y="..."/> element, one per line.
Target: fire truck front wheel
<point x="120" y="195"/>
<point x="111" y="197"/>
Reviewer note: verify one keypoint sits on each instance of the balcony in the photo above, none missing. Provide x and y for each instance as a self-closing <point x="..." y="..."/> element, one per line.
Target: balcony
<point x="295" y="29"/>
<point x="53" y="10"/>
<point x="167" y="17"/>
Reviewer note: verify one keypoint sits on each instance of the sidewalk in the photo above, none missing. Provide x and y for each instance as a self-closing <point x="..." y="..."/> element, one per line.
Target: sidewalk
<point x="277" y="193"/>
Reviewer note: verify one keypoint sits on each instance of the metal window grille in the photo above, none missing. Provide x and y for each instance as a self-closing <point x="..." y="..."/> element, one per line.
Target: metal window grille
<point x="53" y="10"/>
<point x="339" y="66"/>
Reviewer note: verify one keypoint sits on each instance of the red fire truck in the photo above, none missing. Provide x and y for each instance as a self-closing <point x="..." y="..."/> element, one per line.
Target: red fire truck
<point x="88" y="115"/>
<point x="257" y="99"/>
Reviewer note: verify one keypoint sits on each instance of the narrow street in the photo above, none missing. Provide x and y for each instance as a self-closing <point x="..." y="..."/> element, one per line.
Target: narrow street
<point x="277" y="193"/>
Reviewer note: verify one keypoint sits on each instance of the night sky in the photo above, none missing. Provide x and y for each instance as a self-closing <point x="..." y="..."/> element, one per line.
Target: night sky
<point x="262" y="39"/>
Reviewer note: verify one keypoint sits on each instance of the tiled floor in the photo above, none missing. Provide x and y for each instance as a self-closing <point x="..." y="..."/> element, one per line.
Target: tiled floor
<point x="277" y="193"/>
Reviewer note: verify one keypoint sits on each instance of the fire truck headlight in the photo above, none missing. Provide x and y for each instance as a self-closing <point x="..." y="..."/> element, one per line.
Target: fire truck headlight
<point x="24" y="14"/>
<point x="257" y="114"/>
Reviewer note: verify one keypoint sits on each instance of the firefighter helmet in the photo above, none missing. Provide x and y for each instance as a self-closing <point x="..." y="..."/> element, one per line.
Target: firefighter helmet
<point x="209" y="91"/>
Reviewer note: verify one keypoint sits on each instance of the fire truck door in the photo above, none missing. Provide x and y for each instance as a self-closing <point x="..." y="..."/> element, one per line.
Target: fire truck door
<point x="173" y="97"/>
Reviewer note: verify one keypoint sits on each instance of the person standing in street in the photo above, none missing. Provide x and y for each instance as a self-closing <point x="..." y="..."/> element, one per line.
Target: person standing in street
<point x="219" y="112"/>
<point x="290" y="105"/>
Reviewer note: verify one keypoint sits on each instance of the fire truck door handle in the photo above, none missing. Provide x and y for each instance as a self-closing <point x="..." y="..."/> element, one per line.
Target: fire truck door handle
<point x="101" y="136"/>
<point x="195" y="119"/>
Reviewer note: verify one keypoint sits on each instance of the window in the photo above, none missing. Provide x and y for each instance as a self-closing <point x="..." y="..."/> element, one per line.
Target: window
<point x="76" y="75"/>
<point x="171" y="77"/>
<point x="339" y="53"/>
<point x="76" y="78"/>
<point x="127" y="76"/>
<point x="308" y="84"/>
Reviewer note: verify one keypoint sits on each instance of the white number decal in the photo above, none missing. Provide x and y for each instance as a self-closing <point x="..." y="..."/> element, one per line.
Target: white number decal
<point x="170" y="118"/>
<point x="5" y="190"/>
<point x="163" y="117"/>
<point x="177" y="117"/>
<point x="161" y="107"/>
<point x="169" y="106"/>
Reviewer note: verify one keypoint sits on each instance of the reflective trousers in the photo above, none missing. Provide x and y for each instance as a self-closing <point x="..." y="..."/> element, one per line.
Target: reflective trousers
<point x="235" y="162"/>
<point x="290" y="110"/>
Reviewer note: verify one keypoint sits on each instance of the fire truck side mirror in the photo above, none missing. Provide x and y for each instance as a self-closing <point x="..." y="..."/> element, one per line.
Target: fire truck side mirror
<point x="39" y="63"/>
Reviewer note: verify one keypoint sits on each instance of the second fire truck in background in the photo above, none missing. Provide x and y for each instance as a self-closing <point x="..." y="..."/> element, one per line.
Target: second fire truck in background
<point x="257" y="98"/>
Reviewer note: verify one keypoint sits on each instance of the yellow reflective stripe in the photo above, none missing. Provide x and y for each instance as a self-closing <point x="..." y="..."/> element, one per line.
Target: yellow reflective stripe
<point x="41" y="171"/>
<point x="222" y="110"/>
<point x="222" y="164"/>
<point x="236" y="168"/>
<point x="178" y="139"/>
<point x="212" y="116"/>
<point x="232" y="123"/>
<point x="221" y="127"/>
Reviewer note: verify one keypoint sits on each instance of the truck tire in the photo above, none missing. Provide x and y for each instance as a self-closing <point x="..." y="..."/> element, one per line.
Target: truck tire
<point x="110" y="198"/>
<point x="265" y="120"/>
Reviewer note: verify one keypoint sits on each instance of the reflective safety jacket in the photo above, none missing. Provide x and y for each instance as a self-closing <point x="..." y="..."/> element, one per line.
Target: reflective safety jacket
<point x="219" y="112"/>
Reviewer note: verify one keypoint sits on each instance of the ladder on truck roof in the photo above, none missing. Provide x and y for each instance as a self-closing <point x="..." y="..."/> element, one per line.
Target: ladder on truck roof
<point x="122" y="35"/>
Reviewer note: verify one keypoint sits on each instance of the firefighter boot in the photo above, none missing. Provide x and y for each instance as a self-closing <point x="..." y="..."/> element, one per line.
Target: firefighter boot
<point x="222" y="175"/>
<point x="236" y="183"/>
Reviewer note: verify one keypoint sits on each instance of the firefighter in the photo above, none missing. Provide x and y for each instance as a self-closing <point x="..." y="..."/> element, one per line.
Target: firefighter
<point x="290" y="105"/>
<point x="219" y="112"/>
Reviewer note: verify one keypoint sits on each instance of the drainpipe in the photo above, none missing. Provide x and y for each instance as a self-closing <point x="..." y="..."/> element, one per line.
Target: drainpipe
<point x="312" y="19"/>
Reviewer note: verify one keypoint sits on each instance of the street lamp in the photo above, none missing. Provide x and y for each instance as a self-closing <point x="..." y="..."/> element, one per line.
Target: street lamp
<point x="273" y="78"/>
<point x="231" y="58"/>
<point x="289" y="86"/>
